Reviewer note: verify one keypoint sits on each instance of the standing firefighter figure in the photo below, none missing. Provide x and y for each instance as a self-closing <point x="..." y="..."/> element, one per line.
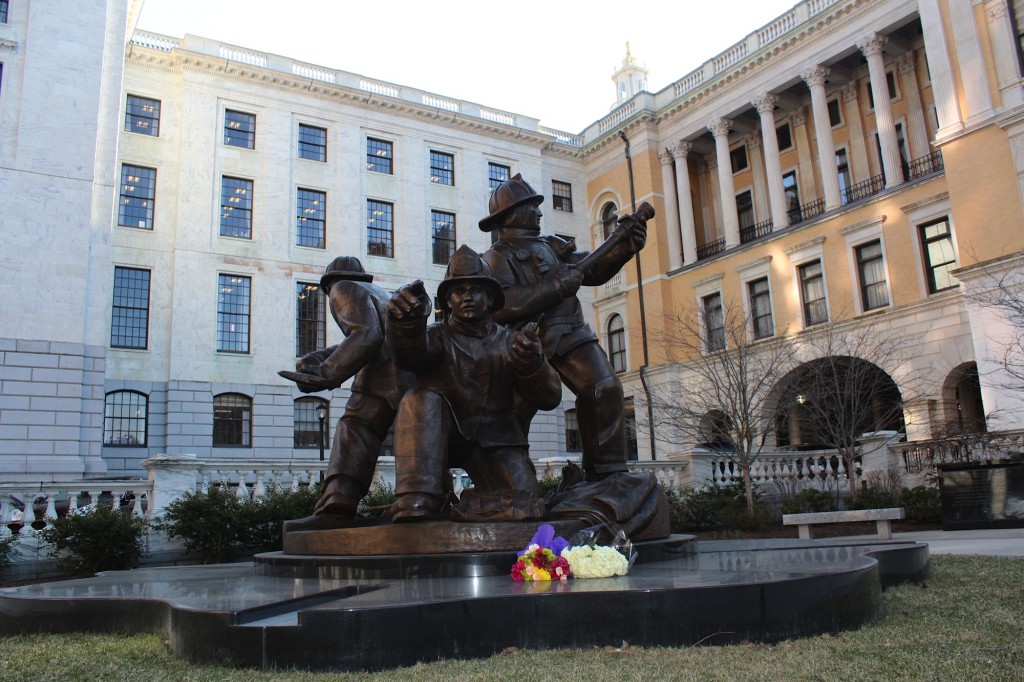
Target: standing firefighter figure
<point x="540" y="276"/>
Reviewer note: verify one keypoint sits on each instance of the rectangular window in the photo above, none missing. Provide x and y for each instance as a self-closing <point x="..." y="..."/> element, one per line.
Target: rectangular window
<point x="561" y="196"/>
<point x="785" y="137"/>
<point x="442" y="168"/>
<point x="812" y="293"/>
<point x="871" y="271"/>
<point x="239" y="129"/>
<point x="129" y="320"/>
<point x="236" y="207"/>
<point x="125" y="419"/>
<point x="761" y="308"/>
<point x="310" y="329"/>
<point x="380" y="228"/>
<point x="573" y="438"/>
<point x="310" y="218"/>
<point x="939" y="257"/>
<point x="845" y="179"/>
<point x="232" y="420"/>
<point x="890" y="83"/>
<point x="714" y="322"/>
<point x="233" y="313"/>
<point x="308" y="431"/>
<point x="312" y="143"/>
<point x="835" y="113"/>
<point x="442" y="236"/>
<point x="792" y="192"/>
<point x="142" y="115"/>
<point x="3" y="11"/>
<point x="745" y="209"/>
<point x="497" y="174"/>
<point x="379" y="155"/>
<point x="138" y="196"/>
<point x="738" y="158"/>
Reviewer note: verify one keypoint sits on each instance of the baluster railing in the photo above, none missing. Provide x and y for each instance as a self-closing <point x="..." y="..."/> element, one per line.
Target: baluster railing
<point x="710" y="249"/>
<point x="864" y="189"/>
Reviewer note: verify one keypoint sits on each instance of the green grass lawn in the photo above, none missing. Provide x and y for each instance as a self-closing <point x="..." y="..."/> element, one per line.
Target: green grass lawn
<point x="965" y="624"/>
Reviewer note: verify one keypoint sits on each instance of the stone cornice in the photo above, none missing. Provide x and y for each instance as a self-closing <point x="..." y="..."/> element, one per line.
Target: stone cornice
<point x="180" y="60"/>
<point x="11" y="45"/>
<point x="989" y="268"/>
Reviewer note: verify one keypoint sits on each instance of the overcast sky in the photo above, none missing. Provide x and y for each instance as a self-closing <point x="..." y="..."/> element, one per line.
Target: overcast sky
<point x="550" y="60"/>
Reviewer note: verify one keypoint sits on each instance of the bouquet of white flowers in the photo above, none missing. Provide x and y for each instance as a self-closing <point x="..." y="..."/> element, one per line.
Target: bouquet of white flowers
<point x="587" y="559"/>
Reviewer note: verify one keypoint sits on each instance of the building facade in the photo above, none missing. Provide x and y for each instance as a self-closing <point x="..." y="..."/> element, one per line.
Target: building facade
<point x="853" y="165"/>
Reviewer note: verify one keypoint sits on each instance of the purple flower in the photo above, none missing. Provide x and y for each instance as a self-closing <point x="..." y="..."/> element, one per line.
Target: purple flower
<point x="545" y="538"/>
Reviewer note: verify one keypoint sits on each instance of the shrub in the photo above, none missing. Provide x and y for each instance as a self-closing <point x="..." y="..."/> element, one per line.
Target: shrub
<point x="381" y="494"/>
<point x="211" y="523"/>
<point x="549" y="482"/>
<point x="922" y="504"/>
<point x="699" y="510"/>
<point x="6" y="547"/>
<point x="871" y="499"/>
<point x="262" y="520"/>
<point x="809" y="500"/>
<point x="98" y="538"/>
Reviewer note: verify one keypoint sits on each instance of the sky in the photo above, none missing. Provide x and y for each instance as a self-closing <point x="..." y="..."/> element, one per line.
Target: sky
<point x="549" y="60"/>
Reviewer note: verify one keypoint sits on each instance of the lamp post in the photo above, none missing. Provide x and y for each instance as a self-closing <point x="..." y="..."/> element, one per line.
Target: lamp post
<point x="321" y="414"/>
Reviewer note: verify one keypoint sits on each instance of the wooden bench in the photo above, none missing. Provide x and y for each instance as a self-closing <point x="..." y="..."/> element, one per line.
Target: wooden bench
<point x="881" y="517"/>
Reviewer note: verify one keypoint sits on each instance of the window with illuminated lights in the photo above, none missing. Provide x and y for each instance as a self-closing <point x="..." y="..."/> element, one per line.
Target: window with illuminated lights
<point x="141" y="115"/>
<point x="239" y="129"/>
<point x="232" y="420"/>
<point x="310" y="318"/>
<point x="138" y="197"/>
<point x="380" y="228"/>
<point x="125" y="419"/>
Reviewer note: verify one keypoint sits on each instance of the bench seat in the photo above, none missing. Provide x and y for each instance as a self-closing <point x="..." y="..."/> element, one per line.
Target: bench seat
<point x="881" y="517"/>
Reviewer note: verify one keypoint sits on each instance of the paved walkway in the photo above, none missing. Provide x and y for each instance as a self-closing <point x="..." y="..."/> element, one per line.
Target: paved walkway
<point x="1006" y="542"/>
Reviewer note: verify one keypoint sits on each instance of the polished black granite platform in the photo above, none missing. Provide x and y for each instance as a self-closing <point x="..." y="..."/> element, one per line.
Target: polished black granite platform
<point x="707" y="592"/>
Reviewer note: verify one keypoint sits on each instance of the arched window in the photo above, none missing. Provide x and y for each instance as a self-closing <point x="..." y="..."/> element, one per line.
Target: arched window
<point x="617" y="343"/>
<point x="609" y="218"/>
<point x="573" y="441"/>
<point x="307" y="424"/>
<point x="125" y="419"/>
<point x="232" y="420"/>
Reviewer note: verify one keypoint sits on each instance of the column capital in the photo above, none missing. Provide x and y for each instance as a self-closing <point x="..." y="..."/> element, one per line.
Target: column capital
<point x="754" y="139"/>
<point x="872" y="44"/>
<point x="666" y="157"/>
<point x="906" y="61"/>
<point x="765" y="102"/>
<point x="815" y="75"/>
<point x="799" y="116"/>
<point x="681" y="149"/>
<point x="711" y="161"/>
<point x="719" y="127"/>
<point x="850" y="91"/>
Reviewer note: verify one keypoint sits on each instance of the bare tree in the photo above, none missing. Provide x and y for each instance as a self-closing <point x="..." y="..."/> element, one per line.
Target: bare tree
<point x="1003" y="293"/>
<point x="847" y="391"/>
<point x="722" y="399"/>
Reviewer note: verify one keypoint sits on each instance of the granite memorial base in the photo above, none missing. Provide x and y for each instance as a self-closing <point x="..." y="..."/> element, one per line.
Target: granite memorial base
<point x="982" y="495"/>
<point x="369" y="613"/>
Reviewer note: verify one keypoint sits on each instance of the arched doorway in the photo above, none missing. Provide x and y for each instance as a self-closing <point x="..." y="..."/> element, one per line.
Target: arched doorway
<point x="961" y="392"/>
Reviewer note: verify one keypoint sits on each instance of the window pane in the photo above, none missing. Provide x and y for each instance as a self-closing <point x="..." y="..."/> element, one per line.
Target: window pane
<point x="617" y="343"/>
<point x="312" y="143"/>
<point x="761" y="308"/>
<point x="310" y="328"/>
<point x="573" y="440"/>
<point x="714" y="322"/>
<point x="233" y="314"/>
<point x="378" y="155"/>
<point x="138" y="197"/>
<point x="442" y="168"/>
<point x="835" y="116"/>
<point x="310" y="218"/>
<point x="497" y="174"/>
<point x="738" y="158"/>
<point x="307" y="424"/>
<point x="239" y="129"/>
<point x="236" y="208"/>
<point x="745" y="209"/>
<point x="232" y="420"/>
<point x="812" y="290"/>
<point x="380" y="229"/>
<point x="129" y="321"/>
<point x="142" y="115"/>
<point x="872" y="276"/>
<point x="939" y="256"/>
<point x="442" y="236"/>
<point x="125" y="418"/>
<point x="561" y="196"/>
<point x="785" y="136"/>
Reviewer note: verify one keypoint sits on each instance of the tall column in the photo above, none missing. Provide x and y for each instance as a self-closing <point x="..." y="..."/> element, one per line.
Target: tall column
<point x="668" y="188"/>
<point x="917" y="129"/>
<point x="687" y="225"/>
<point x="713" y="200"/>
<point x="872" y="45"/>
<point x="859" y="168"/>
<point x="719" y="127"/>
<point x="808" y="187"/>
<point x="757" y="170"/>
<point x="973" y="73"/>
<point x="1004" y="53"/>
<point x="765" y="105"/>
<point x="940" y="68"/>
<point x="815" y="78"/>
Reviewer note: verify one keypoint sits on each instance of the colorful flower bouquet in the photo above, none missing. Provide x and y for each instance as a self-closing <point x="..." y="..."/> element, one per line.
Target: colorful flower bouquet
<point x="541" y="560"/>
<point x="549" y="557"/>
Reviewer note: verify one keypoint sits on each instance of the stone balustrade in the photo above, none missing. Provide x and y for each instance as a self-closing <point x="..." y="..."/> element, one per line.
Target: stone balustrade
<point x="31" y="504"/>
<point x="813" y="468"/>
